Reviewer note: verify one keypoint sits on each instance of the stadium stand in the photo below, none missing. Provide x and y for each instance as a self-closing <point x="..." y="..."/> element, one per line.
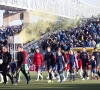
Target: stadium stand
<point x="86" y="35"/>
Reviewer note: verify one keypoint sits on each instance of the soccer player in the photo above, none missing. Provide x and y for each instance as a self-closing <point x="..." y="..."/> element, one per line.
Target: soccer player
<point x="72" y="65"/>
<point x="25" y="63"/>
<point x="93" y="64"/>
<point x="6" y="65"/>
<point x="60" y="62"/>
<point x="96" y="54"/>
<point x="89" y="68"/>
<point x="1" y="61"/>
<point x="63" y="53"/>
<point x="79" y="64"/>
<point x="50" y="62"/>
<point x="68" y="64"/>
<point x="12" y="68"/>
<point x="38" y="59"/>
<point x="29" y="62"/>
<point x="20" y="65"/>
<point x="84" y="57"/>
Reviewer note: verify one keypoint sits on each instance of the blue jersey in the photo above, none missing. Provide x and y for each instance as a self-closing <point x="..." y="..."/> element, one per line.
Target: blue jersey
<point x="29" y="62"/>
<point x="72" y="59"/>
<point x="12" y="66"/>
<point x="60" y="60"/>
<point x="93" y="63"/>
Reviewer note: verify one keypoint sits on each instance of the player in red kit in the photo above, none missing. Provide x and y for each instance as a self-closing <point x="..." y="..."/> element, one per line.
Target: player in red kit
<point x="25" y="63"/>
<point x="89" y="67"/>
<point x="68" y="65"/>
<point x="79" y="64"/>
<point x="38" y="59"/>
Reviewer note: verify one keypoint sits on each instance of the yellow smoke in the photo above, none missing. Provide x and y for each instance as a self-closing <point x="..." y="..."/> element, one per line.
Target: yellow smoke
<point x="48" y="22"/>
<point x="33" y="31"/>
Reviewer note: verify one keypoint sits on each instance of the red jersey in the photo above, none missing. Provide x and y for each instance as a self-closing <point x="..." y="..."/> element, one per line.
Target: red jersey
<point x="79" y="61"/>
<point x="67" y="60"/>
<point x="67" y="57"/>
<point x="89" y="56"/>
<point x="89" y="64"/>
<point x="38" y="58"/>
<point x="25" y="56"/>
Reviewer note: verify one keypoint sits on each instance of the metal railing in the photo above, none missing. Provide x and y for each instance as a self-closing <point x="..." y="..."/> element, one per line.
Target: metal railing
<point x="63" y="8"/>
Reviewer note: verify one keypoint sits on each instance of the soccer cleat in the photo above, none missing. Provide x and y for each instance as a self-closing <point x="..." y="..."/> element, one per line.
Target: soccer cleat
<point x="27" y="82"/>
<point x="91" y="78"/>
<point x="47" y="78"/>
<point x="12" y="82"/>
<point x="83" y="79"/>
<point x="61" y="81"/>
<point x="57" y="77"/>
<point x="54" y="77"/>
<point x="15" y="84"/>
<point x="98" y="78"/>
<point x="87" y="78"/>
<point x="64" y="79"/>
<point x="41" y="78"/>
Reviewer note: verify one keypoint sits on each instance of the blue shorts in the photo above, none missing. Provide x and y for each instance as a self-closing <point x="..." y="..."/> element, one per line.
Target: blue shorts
<point x="55" y="68"/>
<point x="13" y="72"/>
<point x="72" y="66"/>
<point x="60" y="69"/>
<point x="93" y="71"/>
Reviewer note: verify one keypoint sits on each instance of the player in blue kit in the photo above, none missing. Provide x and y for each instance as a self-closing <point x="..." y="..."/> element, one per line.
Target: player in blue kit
<point x="60" y="64"/>
<point x="72" y="62"/>
<point x="93" y="64"/>
<point x="13" y="68"/>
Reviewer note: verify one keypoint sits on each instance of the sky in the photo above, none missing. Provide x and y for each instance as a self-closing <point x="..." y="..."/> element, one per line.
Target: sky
<point x="91" y="2"/>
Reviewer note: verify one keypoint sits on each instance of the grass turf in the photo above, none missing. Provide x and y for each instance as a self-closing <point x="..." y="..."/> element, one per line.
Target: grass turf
<point x="43" y="85"/>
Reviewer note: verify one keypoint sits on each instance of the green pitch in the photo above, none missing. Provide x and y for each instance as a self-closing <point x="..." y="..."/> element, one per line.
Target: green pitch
<point x="43" y="85"/>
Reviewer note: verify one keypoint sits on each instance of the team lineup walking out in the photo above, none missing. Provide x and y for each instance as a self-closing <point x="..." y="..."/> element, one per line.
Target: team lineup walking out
<point x="71" y="62"/>
<point x="59" y="65"/>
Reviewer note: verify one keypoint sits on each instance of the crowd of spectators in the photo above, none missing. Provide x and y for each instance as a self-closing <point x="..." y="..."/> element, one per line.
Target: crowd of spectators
<point x="86" y="35"/>
<point x="8" y="31"/>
